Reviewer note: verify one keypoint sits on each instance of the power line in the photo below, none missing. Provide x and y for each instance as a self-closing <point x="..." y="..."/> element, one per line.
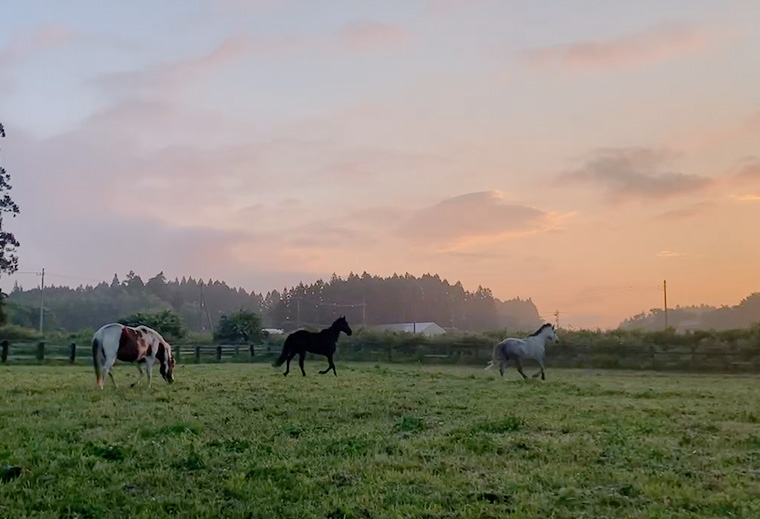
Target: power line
<point x="69" y="276"/>
<point x="57" y="275"/>
<point x="354" y="305"/>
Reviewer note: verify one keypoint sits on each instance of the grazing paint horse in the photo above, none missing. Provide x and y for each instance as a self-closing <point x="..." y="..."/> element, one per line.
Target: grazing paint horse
<point x="141" y="344"/>
<point x="321" y="343"/>
<point x="531" y="347"/>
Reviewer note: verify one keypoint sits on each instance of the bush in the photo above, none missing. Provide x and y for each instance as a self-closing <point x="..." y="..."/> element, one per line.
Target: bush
<point x="241" y="327"/>
<point x="166" y="322"/>
<point x="12" y="332"/>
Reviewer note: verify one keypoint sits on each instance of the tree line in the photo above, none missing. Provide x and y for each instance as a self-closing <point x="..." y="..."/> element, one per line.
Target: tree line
<point x="202" y="305"/>
<point x="703" y="317"/>
<point x="8" y="242"/>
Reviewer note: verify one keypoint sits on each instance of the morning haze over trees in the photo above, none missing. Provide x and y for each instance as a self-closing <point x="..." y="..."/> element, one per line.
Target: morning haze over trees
<point x="703" y="317"/>
<point x="202" y="304"/>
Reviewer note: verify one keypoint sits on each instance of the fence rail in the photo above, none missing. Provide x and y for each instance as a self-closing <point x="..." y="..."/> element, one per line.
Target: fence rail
<point x="655" y="357"/>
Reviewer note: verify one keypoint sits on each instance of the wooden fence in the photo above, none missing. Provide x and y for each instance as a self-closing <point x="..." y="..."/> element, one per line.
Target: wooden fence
<point x="699" y="358"/>
<point x="42" y="352"/>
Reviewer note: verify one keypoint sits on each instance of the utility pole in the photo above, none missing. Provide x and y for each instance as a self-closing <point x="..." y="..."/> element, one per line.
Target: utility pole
<point x="210" y="322"/>
<point x="42" y="298"/>
<point x="665" y="294"/>
<point x="298" y="313"/>
<point x="556" y="318"/>
<point x="201" y="304"/>
<point x="364" y="312"/>
<point x="203" y="309"/>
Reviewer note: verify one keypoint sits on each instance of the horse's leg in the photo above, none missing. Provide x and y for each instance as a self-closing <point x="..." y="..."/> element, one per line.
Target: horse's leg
<point x="541" y="371"/>
<point x="519" y="367"/>
<point x="107" y="369"/>
<point x="149" y="371"/>
<point x="331" y="366"/>
<point x="287" y="365"/>
<point x="139" y="378"/>
<point x="502" y="367"/>
<point x="301" y="357"/>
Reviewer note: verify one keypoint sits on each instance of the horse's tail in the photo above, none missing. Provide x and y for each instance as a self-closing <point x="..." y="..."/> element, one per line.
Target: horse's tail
<point x="494" y="356"/>
<point x="98" y="359"/>
<point x="284" y="355"/>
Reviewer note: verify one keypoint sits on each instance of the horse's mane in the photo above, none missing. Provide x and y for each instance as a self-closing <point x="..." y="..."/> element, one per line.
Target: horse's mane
<point x="547" y="325"/>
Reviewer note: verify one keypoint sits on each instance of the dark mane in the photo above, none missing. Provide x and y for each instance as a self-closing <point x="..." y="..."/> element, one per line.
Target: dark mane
<point x="547" y="325"/>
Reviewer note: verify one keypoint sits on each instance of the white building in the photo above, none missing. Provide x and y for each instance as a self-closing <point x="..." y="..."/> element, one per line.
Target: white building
<point x="429" y="329"/>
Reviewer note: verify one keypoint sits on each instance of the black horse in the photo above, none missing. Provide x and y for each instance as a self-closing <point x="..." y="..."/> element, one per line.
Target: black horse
<point x="321" y="343"/>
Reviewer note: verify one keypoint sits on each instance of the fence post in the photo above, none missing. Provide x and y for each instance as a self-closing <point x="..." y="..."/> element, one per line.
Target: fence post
<point x="237" y="352"/>
<point x="5" y="351"/>
<point x="72" y="352"/>
<point x="178" y="354"/>
<point x="390" y="352"/>
<point x="41" y="351"/>
<point x="251" y="351"/>
<point x="197" y="354"/>
<point x="219" y="353"/>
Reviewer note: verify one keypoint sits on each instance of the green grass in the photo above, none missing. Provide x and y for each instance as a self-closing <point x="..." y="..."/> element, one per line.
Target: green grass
<point x="236" y="440"/>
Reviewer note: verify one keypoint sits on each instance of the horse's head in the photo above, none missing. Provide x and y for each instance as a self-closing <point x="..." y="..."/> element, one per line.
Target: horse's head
<point x="551" y="334"/>
<point x="342" y="325"/>
<point x="547" y="332"/>
<point x="166" y="360"/>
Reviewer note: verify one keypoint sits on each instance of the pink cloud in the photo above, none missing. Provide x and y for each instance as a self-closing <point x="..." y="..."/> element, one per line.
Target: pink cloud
<point x="26" y="45"/>
<point x="473" y="218"/>
<point x="368" y="35"/>
<point x="172" y="76"/>
<point x="650" y="46"/>
<point x="169" y="77"/>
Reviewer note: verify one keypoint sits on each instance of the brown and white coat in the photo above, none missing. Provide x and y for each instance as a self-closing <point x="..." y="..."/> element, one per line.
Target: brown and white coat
<point x="140" y="344"/>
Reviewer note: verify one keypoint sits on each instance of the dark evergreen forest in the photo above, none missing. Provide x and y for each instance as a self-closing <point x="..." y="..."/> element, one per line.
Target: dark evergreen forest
<point x="364" y="299"/>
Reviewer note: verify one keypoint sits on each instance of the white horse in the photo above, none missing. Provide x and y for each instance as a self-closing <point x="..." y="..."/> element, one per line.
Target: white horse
<point x="141" y="344"/>
<point x="532" y="347"/>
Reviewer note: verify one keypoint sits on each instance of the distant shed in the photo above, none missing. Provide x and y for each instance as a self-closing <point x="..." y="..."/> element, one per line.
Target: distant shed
<point x="429" y="329"/>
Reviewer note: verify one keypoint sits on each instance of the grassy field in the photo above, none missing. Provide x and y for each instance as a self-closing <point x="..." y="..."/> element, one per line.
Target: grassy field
<point x="236" y="440"/>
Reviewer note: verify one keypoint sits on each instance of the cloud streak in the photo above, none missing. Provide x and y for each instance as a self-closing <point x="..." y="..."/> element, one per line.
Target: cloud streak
<point x="686" y="213"/>
<point x="172" y="76"/>
<point x="24" y="46"/>
<point x="653" y="45"/>
<point x="473" y="218"/>
<point x="369" y="35"/>
<point x="635" y="173"/>
<point x="748" y="170"/>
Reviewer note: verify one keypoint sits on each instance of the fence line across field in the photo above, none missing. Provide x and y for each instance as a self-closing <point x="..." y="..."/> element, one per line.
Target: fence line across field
<point x="696" y="358"/>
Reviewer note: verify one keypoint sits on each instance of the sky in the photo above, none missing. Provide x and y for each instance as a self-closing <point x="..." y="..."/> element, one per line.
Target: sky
<point x="575" y="153"/>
